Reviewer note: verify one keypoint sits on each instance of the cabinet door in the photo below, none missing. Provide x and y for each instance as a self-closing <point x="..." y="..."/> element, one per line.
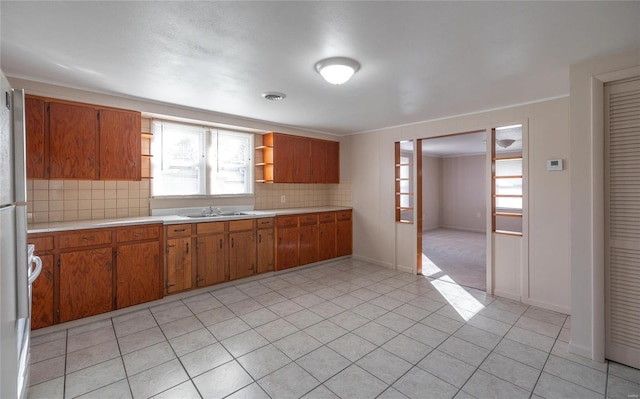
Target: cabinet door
<point x="119" y="145"/>
<point x="178" y="271"/>
<point x="344" y="235"/>
<point x="333" y="162"/>
<point x="42" y="310"/>
<point x="210" y="260"/>
<point x="73" y="141"/>
<point x="327" y="240"/>
<point x="266" y="250"/>
<point x="138" y="274"/>
<point x="242" y="254"/>
<point x="34" y="123"/>
<point x="283" y="150"/>
<point x="301" y="160"/>
<point x="287" y="248"/>
<point x="86" y="283"/>
<point x="308" y="244"/>
<point x="319" y="161"/>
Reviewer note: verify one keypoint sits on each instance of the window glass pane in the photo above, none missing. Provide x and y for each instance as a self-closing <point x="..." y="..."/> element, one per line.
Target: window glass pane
<point x="508" y="203"/>
<point x="180" y="167"/>
<point x="509" y="186"/>
<point x="509" y="167"/>
<point x="231" y="163"/>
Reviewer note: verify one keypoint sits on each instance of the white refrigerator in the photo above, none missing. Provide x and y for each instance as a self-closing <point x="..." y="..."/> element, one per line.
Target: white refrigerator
<point x="17" y="270"/>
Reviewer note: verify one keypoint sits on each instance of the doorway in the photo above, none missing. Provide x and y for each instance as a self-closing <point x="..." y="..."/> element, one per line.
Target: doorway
<point x="454" y="206"/>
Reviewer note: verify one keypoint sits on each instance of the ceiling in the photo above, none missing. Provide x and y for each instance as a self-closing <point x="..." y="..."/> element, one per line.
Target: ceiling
<point x="419" y="60"/>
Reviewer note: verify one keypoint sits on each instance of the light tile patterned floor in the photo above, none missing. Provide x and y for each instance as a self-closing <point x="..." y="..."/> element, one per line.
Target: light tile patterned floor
<point x="343" y="329"/>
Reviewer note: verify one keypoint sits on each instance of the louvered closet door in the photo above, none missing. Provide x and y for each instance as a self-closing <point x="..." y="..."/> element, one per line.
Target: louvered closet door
<point x="622" y="222"/>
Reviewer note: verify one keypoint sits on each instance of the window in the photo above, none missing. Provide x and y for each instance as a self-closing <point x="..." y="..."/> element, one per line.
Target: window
<point x="507" y="190"/>
<point x="404" y="181"/>
<point x="200" y="160"/>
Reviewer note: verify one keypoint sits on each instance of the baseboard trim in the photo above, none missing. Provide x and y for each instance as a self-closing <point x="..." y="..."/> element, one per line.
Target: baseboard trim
<point x="580" y="350"/>
<point x="405" y="269"/>
<point x="377" y="262"/>
<point x="549" y="306"/>
<point x="507" y="295"/>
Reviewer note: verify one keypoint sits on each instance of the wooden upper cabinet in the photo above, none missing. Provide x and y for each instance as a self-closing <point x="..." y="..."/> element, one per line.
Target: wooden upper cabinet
<point x="333" y="162"/>
<point x="299" y="159"/>
<point x="69" y="140"/>
<point x="119" y="145"/>
<point x="73" y="141"/>
<point x="34" y="121"/>
<point x="283" y="150"/>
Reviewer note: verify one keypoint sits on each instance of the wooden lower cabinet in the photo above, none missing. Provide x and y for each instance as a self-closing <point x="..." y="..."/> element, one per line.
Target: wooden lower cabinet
<point x="138" y="273"/>
<point x="178" y="258"/>
<point x="287" y="242"/>
<point x="86" y="283"/>
<point x="344" y="233"/>
<point x="266" y="247"/>
<point x="327" y="240"/>
<point x="211" y="259"/>
<point x="308" y="238"/>
<point x="242" y="254"/>
<point x="42" y="310"/>
<point x="308" y="250"/>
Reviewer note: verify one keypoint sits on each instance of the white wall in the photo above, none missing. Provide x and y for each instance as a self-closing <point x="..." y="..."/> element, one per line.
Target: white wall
<point x="587" y="204"/>
<point x="372" y="177"/>
<point x="464" y="192"/>
<point x="431" y="192"/>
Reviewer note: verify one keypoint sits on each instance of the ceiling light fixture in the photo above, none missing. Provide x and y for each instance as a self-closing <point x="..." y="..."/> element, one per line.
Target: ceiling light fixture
<point x="505" y="143"/>
<point x="273" y="95"/>
<point x="337" y="70"/>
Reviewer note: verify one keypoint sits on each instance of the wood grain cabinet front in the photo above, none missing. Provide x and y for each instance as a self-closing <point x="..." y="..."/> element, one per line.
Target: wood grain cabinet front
<point x="266" y="245"/>
<point x="211" y="253"/>
<point x="138" y="265"/>
<point x="71" y="140"/>
<point x="86" y="283"/>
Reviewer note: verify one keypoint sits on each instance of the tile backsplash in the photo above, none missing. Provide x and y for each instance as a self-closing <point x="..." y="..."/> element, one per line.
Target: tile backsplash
<point x="69" y="200"/>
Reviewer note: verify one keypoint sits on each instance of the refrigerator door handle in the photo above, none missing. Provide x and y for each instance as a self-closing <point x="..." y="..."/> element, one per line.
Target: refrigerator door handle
<point x="20" y="147"/>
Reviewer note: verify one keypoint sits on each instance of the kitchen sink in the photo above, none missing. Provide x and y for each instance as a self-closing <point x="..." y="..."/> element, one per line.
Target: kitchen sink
<point x="215" y="215"/>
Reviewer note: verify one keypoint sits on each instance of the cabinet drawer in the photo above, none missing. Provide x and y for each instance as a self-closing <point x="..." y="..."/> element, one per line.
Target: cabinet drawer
<point x="138" y="234"/>
<point x="264" y="223"/>
<point x="287" y="221"/>
<point x="240" y="225"/>
<point x="327" y="217"/>
<point x="179" y="230"/>
<point x="343" y="215"/>
<point x="85" y="239"/>
<point x="310" y="218"/>
<point x="210" y="228"/>
<point x="42" y="243"/>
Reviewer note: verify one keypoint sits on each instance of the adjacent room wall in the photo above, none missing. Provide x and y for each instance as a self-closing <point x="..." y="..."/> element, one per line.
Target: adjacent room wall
<point x="464" y="205"/>
<point x="372" y="177"/>
<point x="431" y="192"/>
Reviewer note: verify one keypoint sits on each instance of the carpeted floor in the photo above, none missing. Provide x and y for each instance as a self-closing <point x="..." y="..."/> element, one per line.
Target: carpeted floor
<point x="458" y="254"/>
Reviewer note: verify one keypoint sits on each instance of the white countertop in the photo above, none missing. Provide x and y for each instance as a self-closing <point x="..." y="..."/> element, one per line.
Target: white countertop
<point x="170" y="219"/>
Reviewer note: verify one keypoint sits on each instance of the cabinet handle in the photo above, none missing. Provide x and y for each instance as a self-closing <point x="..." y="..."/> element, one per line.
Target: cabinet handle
<point x="259" y="238"/>
<point x="187" y="244"/>
<point x="169" y="285"/>
<point x="85" y="239"/>
<point x="179" y="230"/>
<point x="232" y="243"/>
<point x="137" y="234"/>
<point x="221" y="243"/>
<point x="279" y="240"/>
